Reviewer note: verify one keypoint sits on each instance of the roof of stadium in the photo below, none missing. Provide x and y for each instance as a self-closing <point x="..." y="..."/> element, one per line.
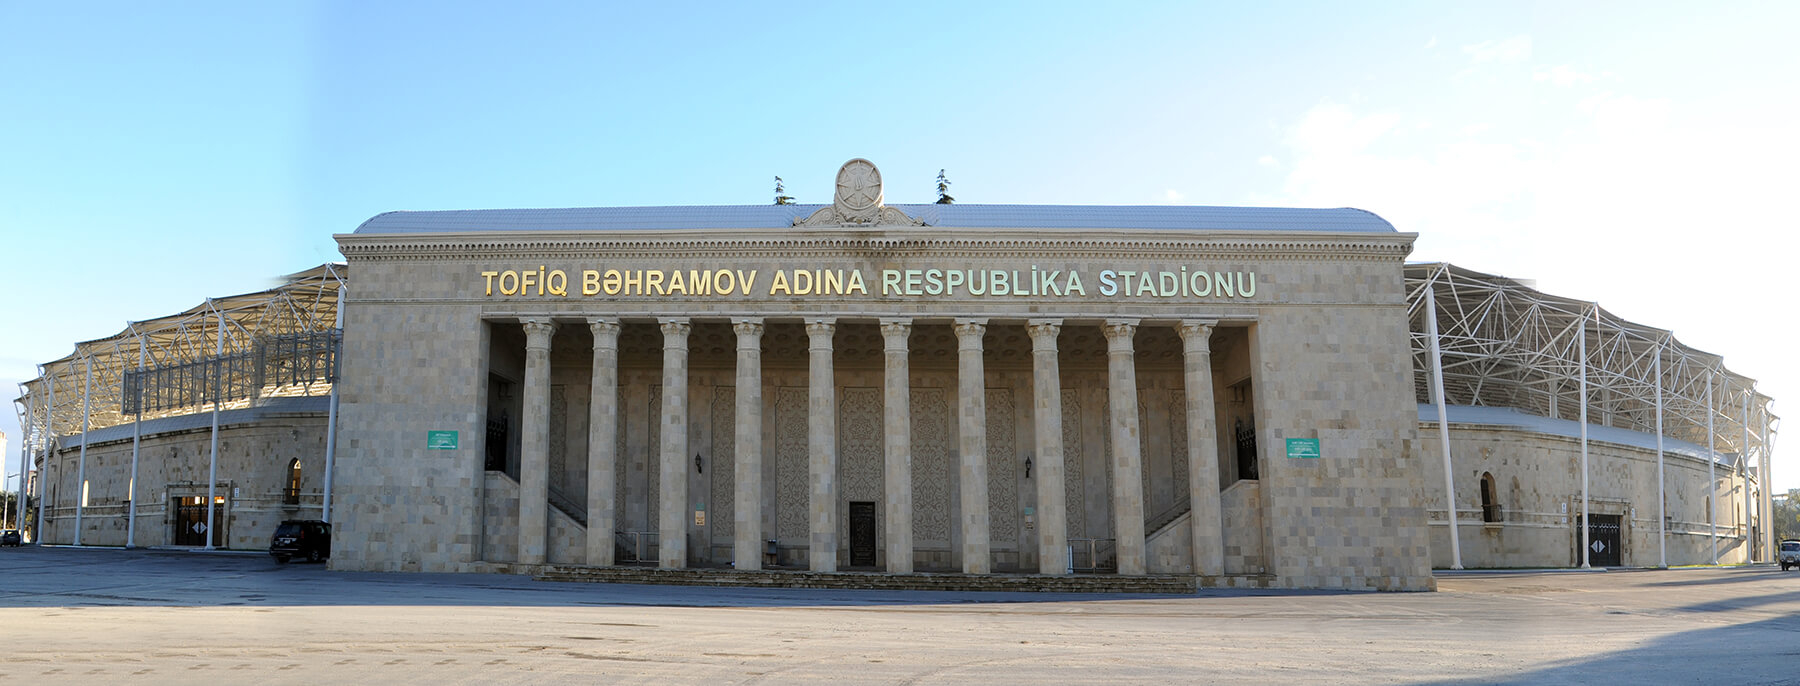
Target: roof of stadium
<point x="1190" y="218"/>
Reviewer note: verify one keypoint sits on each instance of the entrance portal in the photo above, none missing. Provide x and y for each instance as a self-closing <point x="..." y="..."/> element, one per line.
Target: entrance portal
<point x="190" y="522"/>
<point x="862" y="533"/>
<point x="1603" y="541"/>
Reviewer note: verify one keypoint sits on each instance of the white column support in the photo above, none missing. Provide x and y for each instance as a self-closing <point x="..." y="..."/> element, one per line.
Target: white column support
<point x="81" y="462"/>
<point x="28" y="434"/>
<point x="1586" y="524"/>
<point x="1712" y="461"/>
<point x="1127" y="451"/>
<point x="1744" y="466"/>
<point x="971" y="385"/>
<point x="1207" y="521"/>
<point x="44" y="441"/>
<point x="534" y="444"/>
<point x="897" y="443"/>
<point x="1662" y="514"/>
<point x="603" y="446"/>
<point x="137" y="438"/>
<point x="747" y="461"/>
<point x="672" y="522"/>
<point x="331" y="412"/>
<point x="1443" y="422"/>
<point x="1046" y="404"/>
<point x="821" y="446"/>
<point x="1768" y="491"/>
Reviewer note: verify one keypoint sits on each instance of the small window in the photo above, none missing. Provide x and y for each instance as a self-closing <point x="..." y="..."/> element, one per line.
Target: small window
<point x="1490" y="502"/>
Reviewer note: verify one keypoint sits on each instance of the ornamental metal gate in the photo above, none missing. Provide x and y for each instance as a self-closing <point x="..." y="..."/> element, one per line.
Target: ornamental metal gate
<point x="190" y="522"/>
<point x="1604" y="549"/>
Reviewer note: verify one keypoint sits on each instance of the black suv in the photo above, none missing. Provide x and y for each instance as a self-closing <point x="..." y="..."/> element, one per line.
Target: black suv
<point x="308" y="538"/>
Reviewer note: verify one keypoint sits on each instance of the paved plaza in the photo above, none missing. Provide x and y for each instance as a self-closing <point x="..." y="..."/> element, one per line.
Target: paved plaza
<point x="141" y="616"/>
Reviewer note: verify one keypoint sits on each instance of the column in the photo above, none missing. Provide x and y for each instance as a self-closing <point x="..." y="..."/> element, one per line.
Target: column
<point x="603" y="441"/>
<point x="821" y="445"/>
<point x="897" y="430"/>
<point x="747" y="536"/>
<point x="972" y="438"/>
<point x="1046" y="407"/>
<point x="534" y="444"/>
<point x="671" y="530"/>
<point x="1203" y="448"/>
<point x="1127" y="462"/>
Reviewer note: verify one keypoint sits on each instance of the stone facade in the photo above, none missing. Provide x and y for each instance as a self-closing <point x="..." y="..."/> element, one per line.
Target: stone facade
<point x="441" y="336"/>
<point x="254" y="459"/>
<point x="1537" y="486"/>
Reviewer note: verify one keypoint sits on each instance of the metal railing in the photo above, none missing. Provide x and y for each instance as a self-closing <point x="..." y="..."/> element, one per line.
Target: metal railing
<point x="635" y="546"/>
<point x="1092" y="554"/>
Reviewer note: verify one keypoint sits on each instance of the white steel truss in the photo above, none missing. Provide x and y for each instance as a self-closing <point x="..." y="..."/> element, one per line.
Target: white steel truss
<point x="301" y="308"/>
<point x="1505" y="344"/>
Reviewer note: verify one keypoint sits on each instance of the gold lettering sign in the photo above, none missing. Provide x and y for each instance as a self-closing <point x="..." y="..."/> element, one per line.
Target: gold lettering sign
<point x="1180" y="282"/>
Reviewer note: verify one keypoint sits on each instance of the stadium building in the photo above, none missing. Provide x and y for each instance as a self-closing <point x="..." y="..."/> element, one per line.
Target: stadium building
<point x="1231" y="393"/>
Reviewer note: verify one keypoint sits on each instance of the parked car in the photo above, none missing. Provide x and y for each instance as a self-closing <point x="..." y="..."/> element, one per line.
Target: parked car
<point x="308" y="538"/>
<point x="11" y="537"/>
<point x="1790" y="554"/>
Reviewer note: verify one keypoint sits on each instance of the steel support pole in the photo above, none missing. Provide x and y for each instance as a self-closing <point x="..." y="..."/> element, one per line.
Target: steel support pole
<point x="87" y="384"/>
<point x="1662" y="516"/>
<point x="1744" y="466"/>
<point x="1712" y="462"/>
<point x="1768" y="491"/>
<point x="1443" y="416"/>
<point x="1586" y="524"/>
<point x="212" y="469"/>
<point x="49" y="435"/>
<point x="137" y="437"/>
<point x="337" y="366"/>
<point x="28" y="433"/>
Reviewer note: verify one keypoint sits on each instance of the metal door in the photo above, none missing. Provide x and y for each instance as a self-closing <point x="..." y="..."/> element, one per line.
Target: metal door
<point x="862" y="533"/>
<point x="190" y="522"/>
<point x="1603" y="541"/>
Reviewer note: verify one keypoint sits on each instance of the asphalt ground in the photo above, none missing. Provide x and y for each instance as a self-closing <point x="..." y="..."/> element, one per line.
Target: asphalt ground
<point x="142" y="616"/>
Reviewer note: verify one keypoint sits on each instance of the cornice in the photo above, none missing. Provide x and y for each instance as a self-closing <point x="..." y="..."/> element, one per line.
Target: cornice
<point x="1010" y="243"/>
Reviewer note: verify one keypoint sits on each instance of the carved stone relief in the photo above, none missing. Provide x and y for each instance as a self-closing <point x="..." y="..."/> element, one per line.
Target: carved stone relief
<point x="931" y="466"/>
<point x="860" y="434"/>
<point x="722" y="468"/>
<point x="1074" y="491"/>
<point x="791" y="490"/>
<point x="1002" y="464"/>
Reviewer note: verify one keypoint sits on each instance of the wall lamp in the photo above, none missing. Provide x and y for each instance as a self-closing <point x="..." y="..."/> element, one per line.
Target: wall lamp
<point x="1027" y="466"/>
<point x="697" y="463"/>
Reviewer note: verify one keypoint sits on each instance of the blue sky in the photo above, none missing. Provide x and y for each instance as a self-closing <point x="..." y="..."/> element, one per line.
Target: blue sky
<point x="152" y="155"/>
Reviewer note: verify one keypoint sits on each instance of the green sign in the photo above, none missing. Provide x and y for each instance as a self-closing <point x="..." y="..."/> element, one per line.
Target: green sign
<point x="440" y="440"/>
<point x="1303" y="447"/>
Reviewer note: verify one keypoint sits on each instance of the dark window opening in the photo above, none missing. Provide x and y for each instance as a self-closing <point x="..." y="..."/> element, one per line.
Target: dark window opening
<point x="1246" y="449"/>
<point x="1490" y="505"/>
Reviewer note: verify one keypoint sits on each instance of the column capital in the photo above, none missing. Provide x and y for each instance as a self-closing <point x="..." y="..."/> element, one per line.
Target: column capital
<point x="1043" y="333"/>
<point x="895" y="332"/>
<point x="675" y="332"/>
<point x="969" y="332"/>
<point x="749" y="331"/>
<point x="819" y="332"/>
<point x="1118" y="334"/>
<point x="1197" y="333"/>
<point x="538" y="331"/>
<point x="604" y="328"/>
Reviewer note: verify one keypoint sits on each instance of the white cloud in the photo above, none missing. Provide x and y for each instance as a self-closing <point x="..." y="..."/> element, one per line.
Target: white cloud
<point x="1268" y="161"/>
<point x="1561" y="75"/>
<point x="1431" y="43"/>
<point x="1173" y="196"/>
<point x="1514" y="49"/>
